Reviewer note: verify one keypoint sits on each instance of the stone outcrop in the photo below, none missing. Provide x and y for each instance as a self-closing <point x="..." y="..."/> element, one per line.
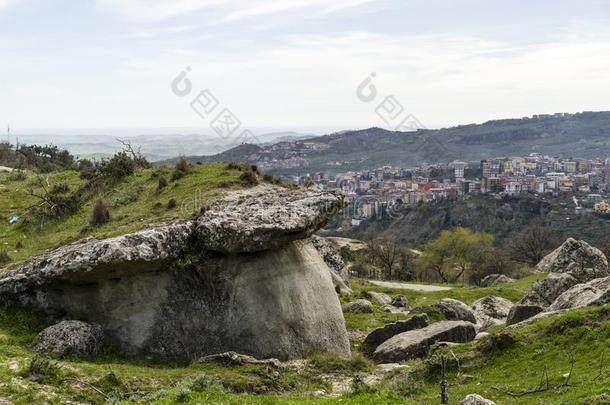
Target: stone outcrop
<point x="334" y="261"/>
<point x="578" y="258"/>
<point x="521" y="312"/>
<point x="73" y="339"/>
<point x="416" y="344"/>
<point x="573" y="268"/>
<point x="494" y="279"/>
<point x="455" y="310"/>
<point x="380" y="335"/>
<point x="491" y="311"/>
<point x="358" y="307"/>
<point x="545" y="292"/>
<point x="475" y="399"/>
<point x="253" y="282"/>
<point x="595" y="292"/>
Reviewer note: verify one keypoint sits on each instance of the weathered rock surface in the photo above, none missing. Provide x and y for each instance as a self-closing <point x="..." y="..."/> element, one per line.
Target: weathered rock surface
<point x="358" y="307"/>
<point x="494" y="279"/>
<point x="74" y="339"/>
<point x="402" y="306"/>
<point x="578" y="258"/>
<point x="380" y="335"/>
<point x="595" y="292"/>
<point x="237" y="359"/>
<point x="334" y="261"/>
<point x="416" y="343"/>
<point x="521" y="312"/>
<point x="475" y="399"/>
<point x="455" y="310"/>
<point x="264" y="217"/>
<point x="253" y="284"/>
<point x="545" y="292"/>
<point x="491" y="311"/>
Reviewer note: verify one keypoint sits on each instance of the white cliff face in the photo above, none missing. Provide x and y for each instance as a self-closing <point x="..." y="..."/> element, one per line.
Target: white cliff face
<point x="243" y="277"/>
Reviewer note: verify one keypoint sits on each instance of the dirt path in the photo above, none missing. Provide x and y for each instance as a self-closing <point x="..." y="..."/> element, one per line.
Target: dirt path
<point x="407" y="286"/>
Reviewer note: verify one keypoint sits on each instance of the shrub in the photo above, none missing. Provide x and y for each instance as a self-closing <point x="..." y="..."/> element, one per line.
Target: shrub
<point x="119" y="166"/>
<point x="4" y="257"/>
<point x="101" y="213"/>
<point x="60" y="188"/>
<point x="18" y="245"/>
<point x="17" y="175"/>
<point x="162" y="183"/>
<point x="171" y="204"/>
<point x="43" y="370"/>
<point x="184" y="395"/>
<point x="233" y="166"/>
<point x="182" y="165"/>
<point x="249" y="178"/>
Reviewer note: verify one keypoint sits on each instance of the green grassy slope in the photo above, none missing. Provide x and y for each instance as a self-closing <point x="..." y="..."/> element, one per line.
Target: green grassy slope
<point x="500" y="372"/>
<point x="134" y="202"/>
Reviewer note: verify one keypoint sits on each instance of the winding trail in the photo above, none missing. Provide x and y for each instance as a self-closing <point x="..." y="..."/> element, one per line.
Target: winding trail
<point x="407" y="286"/>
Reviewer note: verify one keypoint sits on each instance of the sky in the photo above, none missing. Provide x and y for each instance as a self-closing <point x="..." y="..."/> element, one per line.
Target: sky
<point x="298" y="64"/>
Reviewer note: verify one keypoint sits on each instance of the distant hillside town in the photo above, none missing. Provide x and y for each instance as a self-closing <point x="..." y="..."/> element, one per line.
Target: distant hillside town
<point x="373" y="193"/>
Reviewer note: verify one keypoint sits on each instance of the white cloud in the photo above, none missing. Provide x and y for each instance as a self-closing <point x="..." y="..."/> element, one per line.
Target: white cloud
<point x="222" y="10"/>
<point x="7" y="3"/>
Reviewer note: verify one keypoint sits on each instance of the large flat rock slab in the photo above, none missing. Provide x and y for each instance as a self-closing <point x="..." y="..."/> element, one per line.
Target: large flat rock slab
<point x="265" y="217"/>
<point x="416" y="344"/>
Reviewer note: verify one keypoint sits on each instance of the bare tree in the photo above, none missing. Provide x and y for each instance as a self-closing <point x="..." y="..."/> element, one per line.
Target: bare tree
<point x="531" y="245"/>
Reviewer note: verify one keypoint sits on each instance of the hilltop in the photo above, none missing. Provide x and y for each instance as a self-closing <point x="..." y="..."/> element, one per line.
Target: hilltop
<point x="583" y="134"/>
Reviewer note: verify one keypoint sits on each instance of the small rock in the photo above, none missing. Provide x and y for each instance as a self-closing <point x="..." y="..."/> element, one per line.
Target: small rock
<point x="400" y="301"/>
<point x="237" y="359"/>
<point x="416" y="344"/>
<point x="70" y="339"/>
<point x="595" y="292"/>
<point x="545" y="292"/>
<point x="522" y="312"/>
<point x="494" y="279"/>
<point x="382" y="298"/>
<point x="380" y="335"/>
<point x="454" y="310"/>
<point x="474" y="399"/>
<point x="359" y="307"/>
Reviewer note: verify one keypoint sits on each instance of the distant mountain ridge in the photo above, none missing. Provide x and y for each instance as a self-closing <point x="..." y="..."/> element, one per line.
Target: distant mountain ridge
<point x="585" y="134"/>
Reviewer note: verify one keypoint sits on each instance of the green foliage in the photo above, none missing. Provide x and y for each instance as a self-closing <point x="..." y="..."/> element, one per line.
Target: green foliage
<point x="172" y="203"/>
<point x="454" y="254"/>
<point x="249" y="178"/>
<point x="4" y="257"/>
<point x="43" y="370"/>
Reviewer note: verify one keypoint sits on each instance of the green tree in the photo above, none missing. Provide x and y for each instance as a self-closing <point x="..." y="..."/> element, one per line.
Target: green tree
<point x="455" y="254"/>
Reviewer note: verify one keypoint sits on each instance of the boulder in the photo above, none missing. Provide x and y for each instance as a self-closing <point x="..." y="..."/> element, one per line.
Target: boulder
<point x="521" y="312"/>
<point x="253" y="284"/>
<point x="545" y="292"/>
<point x="595" y="292"/>
<point x="382" y="298"/>
<point x="380" y="335"/>
<point x="455" y="310"/>
<point x="475" y="399"/>
<point x="400" y="301"/>
<point x="74" y="339"/>
<point x="388" y="303"/>
<point x="494" y="279"/>
<point x="491" y="311"/>
<point x="237" y="359"/>
<point x="578" y="258"/>
<point x="358" y="307"/>
<point x="416" y="344"/>
<point x="334" y="261"/>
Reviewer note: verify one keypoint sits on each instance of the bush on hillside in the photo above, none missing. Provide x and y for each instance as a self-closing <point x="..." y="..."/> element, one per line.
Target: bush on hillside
<point x="162" y="183"/>
<point x="101" y="213"/>
<point x="172" y="203"/>
<point x="4" y="257"/>
<point x="249" y="178"/>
